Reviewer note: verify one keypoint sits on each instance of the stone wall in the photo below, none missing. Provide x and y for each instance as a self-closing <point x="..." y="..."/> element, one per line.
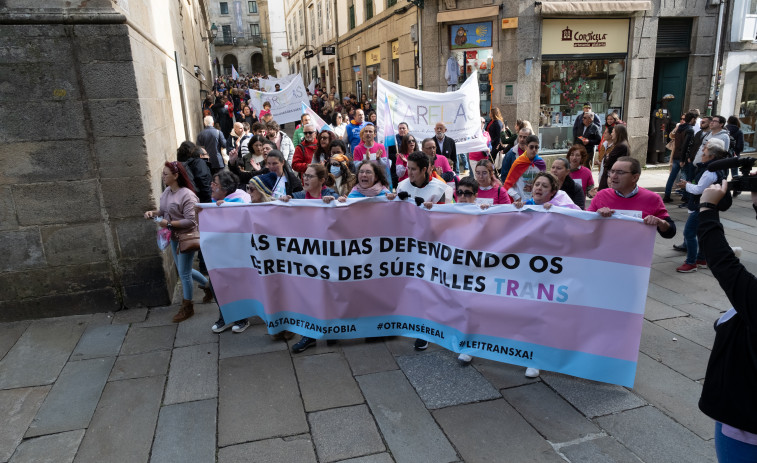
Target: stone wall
<point x="90" y="117"/>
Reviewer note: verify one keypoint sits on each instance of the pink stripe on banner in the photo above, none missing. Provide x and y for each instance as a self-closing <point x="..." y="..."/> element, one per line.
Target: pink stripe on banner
<point x="558" y="235"/>
<point x="595" y="331"/>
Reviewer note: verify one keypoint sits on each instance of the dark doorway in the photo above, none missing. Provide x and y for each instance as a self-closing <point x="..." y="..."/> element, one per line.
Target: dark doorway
<point x="228" y="61"/>
<point x="257" y="63"/>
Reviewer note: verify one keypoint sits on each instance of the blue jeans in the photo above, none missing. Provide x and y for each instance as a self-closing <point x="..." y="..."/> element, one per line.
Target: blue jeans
<point x="671" y="178"/>
<point x="731" y="450"/>
<point x="693" y="254"/>
<point x="184" y="262"/>
<point x="462" y="159"/>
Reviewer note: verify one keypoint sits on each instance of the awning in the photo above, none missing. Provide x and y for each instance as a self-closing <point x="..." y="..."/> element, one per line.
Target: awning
<point x="467" y="14"/>
<point x="608" y="6"/>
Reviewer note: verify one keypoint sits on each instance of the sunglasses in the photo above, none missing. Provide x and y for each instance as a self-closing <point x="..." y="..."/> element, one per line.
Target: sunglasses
<point x="465" y="193"/>
<point x="308" y="132"/>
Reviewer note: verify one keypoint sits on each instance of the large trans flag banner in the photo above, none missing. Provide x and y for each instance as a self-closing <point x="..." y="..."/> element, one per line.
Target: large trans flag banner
<point x="559" y="290"/>
<point x="458" y="110"/>
<point x="286" y="105"/>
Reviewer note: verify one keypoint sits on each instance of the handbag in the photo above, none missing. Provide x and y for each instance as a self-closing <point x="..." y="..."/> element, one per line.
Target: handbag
<point x="189" y="241"/>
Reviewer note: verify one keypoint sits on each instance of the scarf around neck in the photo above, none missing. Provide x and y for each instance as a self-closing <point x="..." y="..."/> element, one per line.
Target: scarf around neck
<point x="371" y="191"/>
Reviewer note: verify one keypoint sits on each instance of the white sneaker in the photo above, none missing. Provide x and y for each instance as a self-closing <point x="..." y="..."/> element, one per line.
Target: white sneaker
<point x="737" y="250"/>
<point x="465" y="359"/>
<point x="532" y="372"/>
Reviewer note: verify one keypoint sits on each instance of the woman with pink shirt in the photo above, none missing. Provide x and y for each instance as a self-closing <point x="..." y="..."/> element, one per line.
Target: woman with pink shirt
<point x="489" y="186"/>
<point x="580" y="174"/>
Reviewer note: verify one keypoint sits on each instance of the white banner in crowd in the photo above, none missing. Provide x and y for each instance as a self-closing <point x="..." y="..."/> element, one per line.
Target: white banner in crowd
<point x="459" y="111"/>
<point x="269" y="84"/>
<point x="286" y="105"/>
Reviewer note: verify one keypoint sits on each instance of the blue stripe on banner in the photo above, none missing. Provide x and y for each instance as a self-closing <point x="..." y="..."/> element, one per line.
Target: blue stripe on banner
<point x="575" y="363"/>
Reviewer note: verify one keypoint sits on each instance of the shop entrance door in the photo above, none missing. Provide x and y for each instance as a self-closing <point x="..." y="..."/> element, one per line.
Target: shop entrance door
<point x="670" y="77"/>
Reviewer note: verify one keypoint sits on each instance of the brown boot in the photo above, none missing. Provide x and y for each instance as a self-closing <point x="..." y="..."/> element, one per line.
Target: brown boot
<point x="208" y="298"/>
<point x="187" y="310"/>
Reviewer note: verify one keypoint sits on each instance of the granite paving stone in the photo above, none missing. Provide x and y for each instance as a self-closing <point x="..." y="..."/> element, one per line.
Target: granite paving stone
<point x="254" y="340"/>
<point x="287" y="450"/>
<point x="158" y="316"/>
<point x="196" y="330"/>
<point x="147" y="339"/>
<point x="124" y="422"/>
<point x="592" y="398"/>
<point x="666" y="296"/>
<point x="403" y="346"/>
<point x="127" y="316"/>
<point x="258" y="399"/>
<point x="652" y="436"/>
<point x="72" y="400"/>
<point x="344" y="432"/>
<point x="441" y="381"/>
<point x="9" y="334"/>
<point x="193" y="374"/>
<point x="55" y="448"/>
<point x="408" y="428"/>
<point x="487" y="431"/>
<point x="368" y="357"/>
<point x="326" y="382"/>
<point x="40" y="353"/>
<point x="141" y="365"/>
<point x="546" y="411"/>
<point x="656" y="310"/>
<point x="714" y="297"/>
<point x="100" y="341"/>
<point x="502" y="375"/>
<point x="674" y="394"/>
<point x="375" y="458"/>
<point x="186" y="432"/>
<point x="703" y="312"/>
<point x="693" y="329"/>
<point x="682" y="355"/>
<point x="17" y="409"/>
<point x="600" y="450"/>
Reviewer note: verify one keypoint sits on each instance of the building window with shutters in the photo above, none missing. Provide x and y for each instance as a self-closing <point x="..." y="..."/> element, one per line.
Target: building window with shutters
<point x="252" y="7"/>
<point x="320" y="18"/>
<point x="351" y="14"/>
<point x="368" y="9"/>
<point x="255" y="30"/>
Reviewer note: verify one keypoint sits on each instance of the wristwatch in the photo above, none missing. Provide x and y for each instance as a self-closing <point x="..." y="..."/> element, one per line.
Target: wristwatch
<point x="709" y="205"/>
<point x="169" y="226"/>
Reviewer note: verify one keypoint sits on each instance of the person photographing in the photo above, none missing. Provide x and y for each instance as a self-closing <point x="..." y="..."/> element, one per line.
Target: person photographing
<point x="729" y="393"/>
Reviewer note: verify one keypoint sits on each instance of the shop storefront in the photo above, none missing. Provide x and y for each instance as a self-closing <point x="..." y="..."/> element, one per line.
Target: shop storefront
<point x="395" y="75"/>
<point x="748" y="107"/>
<point x="583" y="60"/>
<point x="372" y="71"/>
<point x="471" y="45"/>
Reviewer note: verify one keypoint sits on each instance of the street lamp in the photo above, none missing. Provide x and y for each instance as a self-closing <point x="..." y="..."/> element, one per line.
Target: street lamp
<point x="213" y="32"/>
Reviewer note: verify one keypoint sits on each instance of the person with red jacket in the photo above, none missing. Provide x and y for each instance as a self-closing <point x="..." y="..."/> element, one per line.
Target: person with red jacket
<point x="303" y="153"/>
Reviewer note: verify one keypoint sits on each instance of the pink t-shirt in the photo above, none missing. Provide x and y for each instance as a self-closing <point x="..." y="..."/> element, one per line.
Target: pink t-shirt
<point x="481" y="155"/>
<point x="647" y="202"/>
<point x="499" y="195"/>
<point x="583" y="175"/>
<point x="443" y="162"/>
<point x="361" y="152"/>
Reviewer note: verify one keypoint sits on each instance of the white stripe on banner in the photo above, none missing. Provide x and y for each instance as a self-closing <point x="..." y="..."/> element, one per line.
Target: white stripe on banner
<point x="588" y="282"/>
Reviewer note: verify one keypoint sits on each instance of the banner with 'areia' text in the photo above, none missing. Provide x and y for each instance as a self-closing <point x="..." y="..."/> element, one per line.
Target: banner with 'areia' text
<point x="558" y="290"/>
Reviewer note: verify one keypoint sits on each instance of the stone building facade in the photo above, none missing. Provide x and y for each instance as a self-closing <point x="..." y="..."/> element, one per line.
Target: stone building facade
<point x="243" y="38"/>
<point x="96" y="99"/>
<point x="311" y="27"/>
<point x="625" y="56"/>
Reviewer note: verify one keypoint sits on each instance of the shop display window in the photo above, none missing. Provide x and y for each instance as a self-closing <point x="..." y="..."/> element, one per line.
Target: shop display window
<point x="566" y="85"/>
<point x="480" y="60"/>
<point x="748" y="111"/>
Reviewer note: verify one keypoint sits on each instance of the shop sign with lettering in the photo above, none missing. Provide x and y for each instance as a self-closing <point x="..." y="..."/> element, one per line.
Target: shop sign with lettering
<point x="372" y="57"/>
<point x="584" y="36"/>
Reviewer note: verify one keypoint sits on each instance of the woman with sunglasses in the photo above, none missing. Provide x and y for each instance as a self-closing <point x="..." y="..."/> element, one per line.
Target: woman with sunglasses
<point x="407" y="145"/>
<point x="323" y="152"/>
<point x="177" y="210"/>
<point x="339" y="166"/>
<point x="489" y="187"/>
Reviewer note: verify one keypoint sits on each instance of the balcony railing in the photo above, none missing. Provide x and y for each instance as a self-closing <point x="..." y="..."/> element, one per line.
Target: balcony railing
<point x="247" y="40"/>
